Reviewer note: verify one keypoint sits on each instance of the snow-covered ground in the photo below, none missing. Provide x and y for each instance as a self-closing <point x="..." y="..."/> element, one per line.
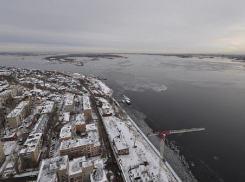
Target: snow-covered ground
<point x="142" y="154"/>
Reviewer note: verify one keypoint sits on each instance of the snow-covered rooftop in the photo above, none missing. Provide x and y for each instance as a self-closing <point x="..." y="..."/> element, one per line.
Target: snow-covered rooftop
<point x="65" y="131"/>
<point x="76" y="165"/>
<point x="98" y="174"/>
<point x="41" y="124"/>
<point x="36" y="91"/>
<point x="120" y="143"/>
<point x="66" y="116"/>
<point x="92" y="138"/>
<point x="69" y="99"/>
<point x="86" y="102"/>
<point x="3" y="86"/>
<point x="80" y="119"/>
<point x="18" y="109"/>
<point x="5" y="92"/>
<point x="48" y="107"/>
<point x="49" y="167"/>
<point x="91" y="127"/>
<point x="140" y="173"/>
<point x="31" y="143"/>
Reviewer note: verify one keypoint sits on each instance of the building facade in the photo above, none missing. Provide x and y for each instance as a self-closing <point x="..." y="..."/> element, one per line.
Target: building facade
<point x="86" y="106"/>
<point x="69" y="103"/>
<point x="16" y="116"/>
<point x="30" y="153"/>
<point x="2" y="155"/>
<point x="79" y="148"/>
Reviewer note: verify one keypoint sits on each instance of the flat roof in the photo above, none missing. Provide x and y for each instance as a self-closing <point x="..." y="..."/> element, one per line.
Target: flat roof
<point x="41" y="124"/>
<point x="48" y="168"/>
<point x="86" y="102"/>
<point x="18" y="109"/>
<point x="65" y="131"/>
<point x="66" y="116"/>
<point x="31" y="143"/>
<point x="98" y="175"/>
<point x="76" y="165"/>
<point x="48" y="107"/>
<point x="91" y="127"/>
<point x="92" y="138"/>
<point x="120" y="143"/>
<point x="80" y="119"/>
<point x="69" y="99"/>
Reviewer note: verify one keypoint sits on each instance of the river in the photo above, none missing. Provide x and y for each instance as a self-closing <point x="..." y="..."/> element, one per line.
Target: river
<point x="178" y="93"/>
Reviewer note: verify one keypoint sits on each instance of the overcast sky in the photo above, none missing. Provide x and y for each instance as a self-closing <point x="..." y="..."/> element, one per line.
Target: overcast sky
<point x="164" y="26"/>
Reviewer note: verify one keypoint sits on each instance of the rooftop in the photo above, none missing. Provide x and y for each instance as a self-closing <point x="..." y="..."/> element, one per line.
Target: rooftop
<point x="66" y="116"/>
<point x="76" y="165"/>
<point x="86" y="102"/>
<point x="140" y="172"/>
<point x="91" y="127"/>
<point x="69" y="99"/>
<point x="48" y="168"/>
<point x="65" y="131"/>
<point x="98" y="175"/>
<point x="48" y="107"/>
<point x="80" y="119"/>
<point x="18" y="109"/>
<point x="120" y="143"/>
<point x="92" y="138"/>
<point x="31" y="143"/>
<point x="41" y="124"/>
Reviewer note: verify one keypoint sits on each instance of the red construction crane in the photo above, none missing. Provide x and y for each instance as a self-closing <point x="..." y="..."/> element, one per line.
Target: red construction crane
<point x="162" y="135"/>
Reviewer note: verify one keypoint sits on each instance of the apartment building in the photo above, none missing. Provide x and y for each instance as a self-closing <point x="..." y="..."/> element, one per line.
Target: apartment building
<point x="60" y="169"/>
<point x="54" y="170"/>
<point x="65" y="133"/>
<point x="16" y="116"/>
<point x="80" y="123"/>
<point x="87" y="106"/>
<point x="8" y="92"/>
<point x="30" y="153"/>
<point x="2" y="155"/>
<point x="41" y="125"/>
<point x="69" y="102"/>
<point x="121" y="145"/>
<point x="80" y="169"/>
<point x="99" y="173"/>
<point x="89" y="146"/>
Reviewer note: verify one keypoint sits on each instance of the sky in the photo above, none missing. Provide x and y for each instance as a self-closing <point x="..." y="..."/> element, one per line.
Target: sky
<point x="122" y="26"/>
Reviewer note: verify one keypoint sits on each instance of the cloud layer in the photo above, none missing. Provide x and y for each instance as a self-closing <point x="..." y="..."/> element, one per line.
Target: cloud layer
<point x="123" y="26"/>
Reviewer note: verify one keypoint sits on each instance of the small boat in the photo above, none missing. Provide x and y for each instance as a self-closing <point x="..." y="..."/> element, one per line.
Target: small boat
<point x="127" y="100"/>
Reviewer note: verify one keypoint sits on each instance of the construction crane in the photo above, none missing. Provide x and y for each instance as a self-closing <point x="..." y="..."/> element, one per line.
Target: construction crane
<point x="162" y="135"/>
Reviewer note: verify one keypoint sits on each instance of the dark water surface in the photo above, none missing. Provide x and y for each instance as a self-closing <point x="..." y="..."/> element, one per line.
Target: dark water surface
<point x="178" y="93"/>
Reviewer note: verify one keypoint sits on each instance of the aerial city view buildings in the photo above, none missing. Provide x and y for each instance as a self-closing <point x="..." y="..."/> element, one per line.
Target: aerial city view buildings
<point x="68" y="127"/>
<point x="122" y="91"/>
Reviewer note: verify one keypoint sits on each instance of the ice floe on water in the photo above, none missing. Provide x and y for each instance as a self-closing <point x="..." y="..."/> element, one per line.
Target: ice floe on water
<point x="216" y="158"/>
<point x="140" y="85"/>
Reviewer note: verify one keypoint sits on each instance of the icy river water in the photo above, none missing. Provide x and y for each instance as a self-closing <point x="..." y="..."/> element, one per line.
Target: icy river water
<point x="178" y="93"/>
